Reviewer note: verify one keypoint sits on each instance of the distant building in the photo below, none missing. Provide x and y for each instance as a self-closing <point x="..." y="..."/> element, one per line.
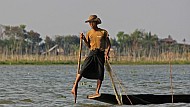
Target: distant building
<point x="168" y="40"/>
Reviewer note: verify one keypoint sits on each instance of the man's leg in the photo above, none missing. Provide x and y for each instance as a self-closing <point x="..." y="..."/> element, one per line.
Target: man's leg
<point x="99" y="83"/>
<point x="75" y="86"/>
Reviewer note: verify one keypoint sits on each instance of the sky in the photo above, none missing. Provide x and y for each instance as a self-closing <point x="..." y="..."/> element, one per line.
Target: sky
<point x="67" y="17"/>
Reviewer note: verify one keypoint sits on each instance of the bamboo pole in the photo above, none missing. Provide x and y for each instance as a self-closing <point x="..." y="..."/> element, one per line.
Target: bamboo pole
<point x="79" y="57"/>
<point x="79" y="61"/>
<point x="171" y="82"/>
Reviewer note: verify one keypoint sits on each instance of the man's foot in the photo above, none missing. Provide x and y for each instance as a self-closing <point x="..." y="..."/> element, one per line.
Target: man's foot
<point x="93" y="96"/>
<point x="74" y="92"/>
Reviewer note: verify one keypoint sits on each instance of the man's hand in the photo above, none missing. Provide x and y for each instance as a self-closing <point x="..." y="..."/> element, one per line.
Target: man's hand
<point x="107" y="57"/>
<point x="82" y="36"/>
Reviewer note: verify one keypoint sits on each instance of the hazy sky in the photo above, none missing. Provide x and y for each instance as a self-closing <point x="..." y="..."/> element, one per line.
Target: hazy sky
<point x="63" y="17"/>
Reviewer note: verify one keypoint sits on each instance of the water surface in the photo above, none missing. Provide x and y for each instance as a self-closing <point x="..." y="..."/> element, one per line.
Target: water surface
<point x="50" y="86"/>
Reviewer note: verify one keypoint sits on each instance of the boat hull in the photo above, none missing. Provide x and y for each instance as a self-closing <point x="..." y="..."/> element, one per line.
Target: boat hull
<point x="144" y="99"/>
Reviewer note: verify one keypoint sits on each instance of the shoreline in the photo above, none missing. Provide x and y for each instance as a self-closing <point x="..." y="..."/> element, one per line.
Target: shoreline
<point x="73" y="59"/>
<point x="111" y="62"/>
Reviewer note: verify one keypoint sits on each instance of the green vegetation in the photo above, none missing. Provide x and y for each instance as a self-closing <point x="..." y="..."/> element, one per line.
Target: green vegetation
<point x="19" y="46"/>
<point x="6" y="102"/>
<point x="59" y="59"/>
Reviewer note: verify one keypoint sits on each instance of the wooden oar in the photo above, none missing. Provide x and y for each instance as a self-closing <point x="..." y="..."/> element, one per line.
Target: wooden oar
<point x="109" y="70"/>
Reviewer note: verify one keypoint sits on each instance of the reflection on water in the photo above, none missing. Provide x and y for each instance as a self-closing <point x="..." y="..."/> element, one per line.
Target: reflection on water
<point x="50" y="86"/>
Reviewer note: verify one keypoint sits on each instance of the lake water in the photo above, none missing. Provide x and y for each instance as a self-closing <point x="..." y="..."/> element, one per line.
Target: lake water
<point x="50" y="86"/>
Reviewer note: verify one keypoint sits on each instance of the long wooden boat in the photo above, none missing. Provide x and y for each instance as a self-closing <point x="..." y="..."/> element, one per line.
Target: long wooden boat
<point x="144" y="99"/>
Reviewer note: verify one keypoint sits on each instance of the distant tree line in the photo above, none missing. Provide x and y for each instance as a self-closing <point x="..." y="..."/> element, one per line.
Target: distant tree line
<point x="16" y="40"/>
<point x="144" y="44"/>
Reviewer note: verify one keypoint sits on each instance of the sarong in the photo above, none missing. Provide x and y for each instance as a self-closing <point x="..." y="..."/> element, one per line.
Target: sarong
<point x="93" y="66"/>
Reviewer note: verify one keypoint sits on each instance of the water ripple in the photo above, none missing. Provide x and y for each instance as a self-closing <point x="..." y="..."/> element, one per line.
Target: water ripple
<point x="50" y="86"/>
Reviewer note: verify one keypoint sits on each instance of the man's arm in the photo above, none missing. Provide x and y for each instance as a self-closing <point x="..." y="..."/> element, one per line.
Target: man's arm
<point x="85" y="41"/>
<point x="108" y="47"/>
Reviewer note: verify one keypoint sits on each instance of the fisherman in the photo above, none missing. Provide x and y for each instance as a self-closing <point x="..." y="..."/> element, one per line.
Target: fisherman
<point x="97" y="40"/>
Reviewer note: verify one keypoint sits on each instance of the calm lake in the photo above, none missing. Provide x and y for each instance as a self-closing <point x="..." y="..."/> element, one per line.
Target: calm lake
<point x="50" y="85"/>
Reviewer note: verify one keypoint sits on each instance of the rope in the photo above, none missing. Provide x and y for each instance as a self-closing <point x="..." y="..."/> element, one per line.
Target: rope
<point x="113" y="75"/>
<point x="122" y="87"/>
<point x="124" y="90"/>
